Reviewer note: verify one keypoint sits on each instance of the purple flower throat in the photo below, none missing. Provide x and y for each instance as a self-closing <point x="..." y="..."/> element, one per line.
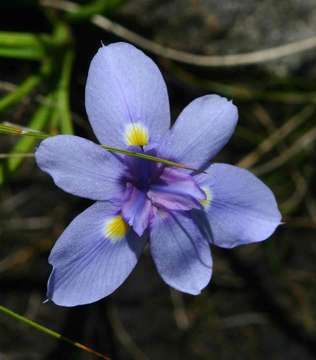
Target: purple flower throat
<point x="151" y="187"/>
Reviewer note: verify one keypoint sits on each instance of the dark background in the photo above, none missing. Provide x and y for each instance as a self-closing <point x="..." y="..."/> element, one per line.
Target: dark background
<point x="261" y="302"/>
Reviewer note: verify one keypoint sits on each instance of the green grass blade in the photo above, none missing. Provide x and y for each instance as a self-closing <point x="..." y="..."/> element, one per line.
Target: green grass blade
<point x="40" y="41"/>
<point x="48" y="331"/>
<point x="31" y="46"/>
<point x="63" y="94"/>
<point x="84" y="12"/>
<point x="12" y="130"/>
<point x="23" y="53"/>
<point x="12" y="155"/>
<point x="22" y="45"/>
<point x="27" y="143"/>
<point x="20" y="92"/>
<point x="147" y="157"/>
<point x="26" y="87"/>
<point x="19" y="39"/>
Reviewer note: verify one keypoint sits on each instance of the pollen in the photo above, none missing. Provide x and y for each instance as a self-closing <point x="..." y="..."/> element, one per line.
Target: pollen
<point x="136" y="135"/>
<point x="206" y="203"/>
<point x="115" y="228"/>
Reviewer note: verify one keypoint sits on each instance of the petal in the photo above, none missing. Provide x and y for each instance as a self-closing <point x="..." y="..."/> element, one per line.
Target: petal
<point x="176" y="190"/>
<point x="80" y="167"/>
<point x="126" y="97"/>
<point x="201" y="130"/>
<point x="180" y="252"/>
<point x="137" y="209"/>
<point x="241" y="209"/>
<point x="89" y="261"/>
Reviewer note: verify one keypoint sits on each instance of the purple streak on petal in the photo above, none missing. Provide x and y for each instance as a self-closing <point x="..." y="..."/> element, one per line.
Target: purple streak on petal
<point x="137" y="209"/>
<point x="180" y="252"/>
<point x="86" y="265"/>
<point x="170" y="201"/>
<point x="176" y="190"/>
<point x="181" y="182"/>
<point x="81" y="167"/>
<point x="125" y="86"/>
<point x="242" y="210"/>
<point x="201" y="130"/>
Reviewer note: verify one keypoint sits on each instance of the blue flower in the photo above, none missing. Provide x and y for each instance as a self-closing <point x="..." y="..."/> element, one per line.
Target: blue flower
<point x="181" y="212"/>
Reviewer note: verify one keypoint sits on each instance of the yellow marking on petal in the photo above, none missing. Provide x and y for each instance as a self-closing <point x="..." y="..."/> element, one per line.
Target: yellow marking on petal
<point x="206" y="202"/>
<point x="136" y="135"/>
<point x="115" y="228"/>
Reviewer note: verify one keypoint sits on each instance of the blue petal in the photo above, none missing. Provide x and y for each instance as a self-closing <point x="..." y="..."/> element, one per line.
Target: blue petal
<point x="181" y="252"/>
<point x="87" y="265"/>
<point x="241" y="209"/>
<point x="80" y="167"/>
<point x="125" y="87"/>
<point x="136" y="209"/>
<point x="201" y="130"/>
<point x="175" y="190"/>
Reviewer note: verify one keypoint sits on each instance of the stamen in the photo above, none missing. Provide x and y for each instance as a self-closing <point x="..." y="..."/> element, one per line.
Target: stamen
<point x="115" y="228"/>
<point x="206" y="203"/>
<point x="136" y="135"/>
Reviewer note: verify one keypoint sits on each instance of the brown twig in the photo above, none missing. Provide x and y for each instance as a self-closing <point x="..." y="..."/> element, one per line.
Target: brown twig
<point x="276" y="137"/>
<point x="249" y="58"/>
<point x="304" y="141"/>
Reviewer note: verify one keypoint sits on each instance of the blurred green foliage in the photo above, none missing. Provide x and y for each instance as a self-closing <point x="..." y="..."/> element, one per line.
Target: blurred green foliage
<point x="55" y="53"/>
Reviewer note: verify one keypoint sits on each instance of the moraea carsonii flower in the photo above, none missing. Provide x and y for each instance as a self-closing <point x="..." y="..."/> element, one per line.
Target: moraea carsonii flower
<point x="182" y="211"/>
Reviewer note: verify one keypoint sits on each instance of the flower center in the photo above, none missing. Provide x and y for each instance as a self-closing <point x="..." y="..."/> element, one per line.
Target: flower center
<point x="150" y="186"/>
